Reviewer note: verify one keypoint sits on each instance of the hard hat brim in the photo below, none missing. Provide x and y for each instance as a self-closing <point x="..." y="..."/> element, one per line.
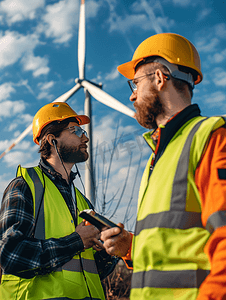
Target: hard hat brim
<point x="128" y="69"/>
<point x="82" y="119"/>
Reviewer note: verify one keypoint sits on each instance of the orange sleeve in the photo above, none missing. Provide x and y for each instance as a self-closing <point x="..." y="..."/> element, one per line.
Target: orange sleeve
<point x="127" y="259"/>
<point x="212" y="189"/>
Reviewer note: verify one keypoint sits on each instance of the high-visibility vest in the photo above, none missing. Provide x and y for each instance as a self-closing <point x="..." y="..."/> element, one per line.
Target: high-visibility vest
<point x="167" y="252"/>
<point x="74" y="280"/>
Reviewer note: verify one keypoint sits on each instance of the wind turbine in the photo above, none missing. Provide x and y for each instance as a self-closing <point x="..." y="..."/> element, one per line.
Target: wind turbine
<point x="90" y="89"/>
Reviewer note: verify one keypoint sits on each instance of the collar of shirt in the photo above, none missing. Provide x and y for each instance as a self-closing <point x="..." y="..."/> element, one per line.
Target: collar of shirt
<point x="171" y="127"/>
<point x="52" y="174"/>
<point x="156" y="132"/>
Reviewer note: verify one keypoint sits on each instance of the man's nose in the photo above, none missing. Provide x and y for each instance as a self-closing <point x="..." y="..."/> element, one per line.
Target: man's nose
<point x="85" y="139"/>
<point x="133" y="97"/>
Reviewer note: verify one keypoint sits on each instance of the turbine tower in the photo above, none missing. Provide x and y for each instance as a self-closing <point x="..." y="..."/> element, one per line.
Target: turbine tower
<point x="90" y="89"/>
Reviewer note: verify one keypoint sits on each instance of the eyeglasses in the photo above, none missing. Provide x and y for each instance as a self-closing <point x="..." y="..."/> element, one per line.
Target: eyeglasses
<point x="77" y="130"/>
<point x="133" y="83"/>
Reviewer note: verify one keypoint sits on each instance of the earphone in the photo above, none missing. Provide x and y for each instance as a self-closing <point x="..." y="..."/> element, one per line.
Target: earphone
<point x="54" y="142"/>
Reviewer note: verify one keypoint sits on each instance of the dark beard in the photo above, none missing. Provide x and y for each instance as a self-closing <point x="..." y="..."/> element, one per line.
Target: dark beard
<point x="146" y="113"/>
<point x="72" y="155"/>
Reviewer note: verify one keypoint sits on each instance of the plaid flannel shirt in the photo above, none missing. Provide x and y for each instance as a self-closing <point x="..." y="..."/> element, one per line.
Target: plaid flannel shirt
<point x="19" y="251"/>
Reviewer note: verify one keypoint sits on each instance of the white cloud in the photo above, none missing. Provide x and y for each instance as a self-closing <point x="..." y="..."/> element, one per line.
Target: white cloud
<point x="218" y="57"/>
<point x="20" y="10"/>
<point x="26" y="118"/>
<point x="165" y="22"/>
<point x="4" y="145"/>
<point x="204" y="13"/>
<point x="25" y="83"/>
<point x="205" y="44"/>
<point x="216" y="99"/>
<point x="24" y="145"/>
<point x="11" y="108"/>
<point x="37" y="64"/>
<point x="45" y="95"/>
<point x="92" y="7"/>
<point x="16" y="133"/>
<point x="119" y="23"/>
<point x="12" y="127"/>
<point x="220" y="30"/>
<point x="152" y="18"/>
<point x="112" y="75"/>
<point x="210" y="39"/>
<point x="219" y="77"/>
<point x="42" y="95"/>
<point x="145" y="17"/>
<point x="15" y="158"/>
<point x="5" y="90"/>
<point x="61" y="19"/>
<point x="14" y="45"/>
<point x="46" y="85"/>
<point x="41" y="71"/>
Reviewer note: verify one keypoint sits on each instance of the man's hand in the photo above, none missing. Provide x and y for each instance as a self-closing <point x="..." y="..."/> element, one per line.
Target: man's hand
<point x="116" y="242"/>
<point x="90" y="235"/>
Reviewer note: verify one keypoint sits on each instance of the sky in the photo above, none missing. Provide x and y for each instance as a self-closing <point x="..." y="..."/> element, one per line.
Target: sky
<point x="39" y="62"/>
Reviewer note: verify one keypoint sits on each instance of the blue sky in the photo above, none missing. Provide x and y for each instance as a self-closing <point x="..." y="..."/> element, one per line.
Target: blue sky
<point x="38" y="63"/>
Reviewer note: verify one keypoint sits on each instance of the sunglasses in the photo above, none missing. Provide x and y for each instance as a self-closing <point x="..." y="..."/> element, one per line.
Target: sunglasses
<point x="77" y="130"/>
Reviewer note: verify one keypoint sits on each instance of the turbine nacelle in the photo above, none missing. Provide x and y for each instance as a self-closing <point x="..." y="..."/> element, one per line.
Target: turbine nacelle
<point x="105" y="98"/>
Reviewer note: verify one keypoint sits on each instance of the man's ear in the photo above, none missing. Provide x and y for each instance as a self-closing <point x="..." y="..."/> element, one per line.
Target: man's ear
<point x="160" y="80"/>
<point x="50" y="138"/>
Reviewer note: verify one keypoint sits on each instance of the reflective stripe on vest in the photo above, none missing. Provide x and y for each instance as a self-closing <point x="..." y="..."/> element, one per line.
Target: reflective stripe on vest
<point x="169" y="279"/>
<point x="170" y="219"/>
<point x="74" y="265"/>
<point x="216" y="220"/>
<point x="39" y="210"/>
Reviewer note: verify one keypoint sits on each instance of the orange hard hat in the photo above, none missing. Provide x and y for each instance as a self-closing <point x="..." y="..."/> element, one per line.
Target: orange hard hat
<point x="174" y="48"/>
<point x="55" y="111"/>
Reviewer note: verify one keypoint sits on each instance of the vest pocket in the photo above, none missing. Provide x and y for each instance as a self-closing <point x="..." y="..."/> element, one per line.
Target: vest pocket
<point x="13" y="287"/>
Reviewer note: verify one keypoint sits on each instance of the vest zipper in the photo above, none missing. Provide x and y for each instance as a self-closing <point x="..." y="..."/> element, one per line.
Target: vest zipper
<point x="152" y="165"/>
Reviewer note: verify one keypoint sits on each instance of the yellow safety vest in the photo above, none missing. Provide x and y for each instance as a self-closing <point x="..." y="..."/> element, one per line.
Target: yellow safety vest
<point x="168" y="258"/>
<point x="55" y="221"/>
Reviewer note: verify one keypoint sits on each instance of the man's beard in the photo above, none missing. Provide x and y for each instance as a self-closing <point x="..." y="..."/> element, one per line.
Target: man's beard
<point x="70" y="154"/>
<point x="147" y="112"/>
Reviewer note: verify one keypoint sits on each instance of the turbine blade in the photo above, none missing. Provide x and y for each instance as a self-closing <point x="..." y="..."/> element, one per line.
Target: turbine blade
<point x="81" y="41"/>
<point x="106" y="99"/>
<point x="67" y="95"/>
<point x="62" y="98"/>
<point x="23" y="134"/>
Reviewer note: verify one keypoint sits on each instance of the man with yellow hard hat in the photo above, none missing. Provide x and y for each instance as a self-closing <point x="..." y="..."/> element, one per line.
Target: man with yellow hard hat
<point x="46" y="251"/>
<point x="178" y="249"/>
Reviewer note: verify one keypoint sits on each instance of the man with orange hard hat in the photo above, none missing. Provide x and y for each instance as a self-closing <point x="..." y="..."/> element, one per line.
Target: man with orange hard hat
<point x="178" y="249"/>
<point x="46" y="251"/>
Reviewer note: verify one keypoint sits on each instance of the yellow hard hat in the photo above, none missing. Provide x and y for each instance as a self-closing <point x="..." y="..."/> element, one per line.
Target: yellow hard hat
<point x="55" y="111"/>
<point x="172" y="47"/>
